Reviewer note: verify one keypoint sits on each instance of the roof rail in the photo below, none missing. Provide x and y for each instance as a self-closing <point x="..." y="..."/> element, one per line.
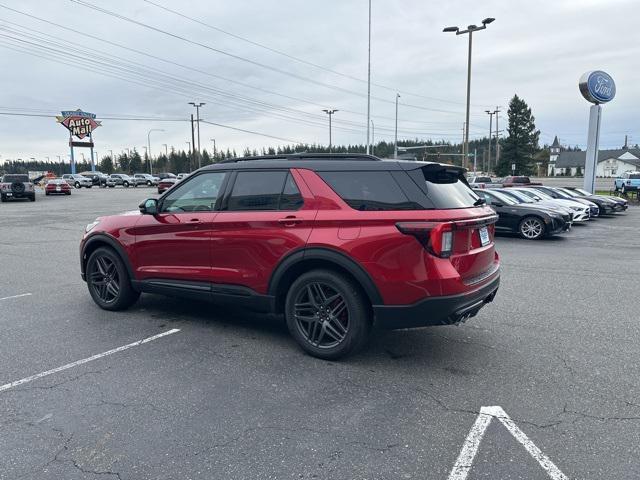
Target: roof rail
<point x="307" y="156"/>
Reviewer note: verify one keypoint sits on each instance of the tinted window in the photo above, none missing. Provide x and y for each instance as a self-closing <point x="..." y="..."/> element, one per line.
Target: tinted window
<point x="196" y="195"/>
<point x="445" y="187"/>
<point x="291" y="199"/>
<point x="15" y="178"/>
<point x="634" y="175"/>
<point x="257" y="191"/>
<point x="369" y="190"/>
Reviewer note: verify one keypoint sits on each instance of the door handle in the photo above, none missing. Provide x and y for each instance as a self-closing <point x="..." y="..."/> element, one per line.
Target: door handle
<point x="289" y="221"/>
<point x="194" y="220"/>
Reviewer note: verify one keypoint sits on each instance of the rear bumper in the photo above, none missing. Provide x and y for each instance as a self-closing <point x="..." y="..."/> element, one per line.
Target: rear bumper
<point x="431" y="311"/>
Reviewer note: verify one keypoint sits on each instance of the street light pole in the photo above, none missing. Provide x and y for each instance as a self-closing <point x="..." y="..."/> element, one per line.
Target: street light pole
<point x="490" y="113"/>
<point x="470" y="29"/>
<point x="395" y="142"/>
<point x="149" y="147"/>
<point x="166" y="152"/>
<point x="368" y="82"/>
<point x="373" y="138"/>
<point x="331" y="111"/>
<point x="198" y="105"/>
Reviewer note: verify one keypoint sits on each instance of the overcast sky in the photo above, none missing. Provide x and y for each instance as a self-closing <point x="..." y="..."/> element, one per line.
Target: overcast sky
<point x="535" y="49"/>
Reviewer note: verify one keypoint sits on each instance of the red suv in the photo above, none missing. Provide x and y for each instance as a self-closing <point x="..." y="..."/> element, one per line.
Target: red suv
<point x="337" y="243"/>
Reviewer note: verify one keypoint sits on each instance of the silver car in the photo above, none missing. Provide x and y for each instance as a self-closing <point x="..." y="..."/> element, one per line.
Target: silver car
<point x="76" y="180"/>
<point x="145" y="179"/>
<point x="120" y="179"/>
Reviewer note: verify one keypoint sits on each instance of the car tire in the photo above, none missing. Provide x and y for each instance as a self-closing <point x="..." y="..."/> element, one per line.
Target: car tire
<point x="3" y="198"/>
<point x="324" y="333"/>
<point x="89" y="186"/>
<point x="32" y="198"/>
<point x="46" y="194"/>
<point x="76" y="185"/>
<point x="108" y="280"/>
<point x="148" y="183"/>
<point x="125" y="184"/>
<point x="623" y="190"/>
<point x="531" y="228"/>
<point x="67" y="193"/>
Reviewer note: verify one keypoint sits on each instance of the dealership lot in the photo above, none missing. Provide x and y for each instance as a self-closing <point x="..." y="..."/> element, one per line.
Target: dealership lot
<point x="230" y="395"/>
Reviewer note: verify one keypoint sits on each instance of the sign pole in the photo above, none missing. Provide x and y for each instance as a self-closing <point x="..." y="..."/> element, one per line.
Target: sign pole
<point x="593" y="141"/>
<point x="93" y="163"/>
<point x="73" y="161"/>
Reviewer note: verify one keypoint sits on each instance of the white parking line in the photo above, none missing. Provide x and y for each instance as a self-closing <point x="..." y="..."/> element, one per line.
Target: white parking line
<point x="464" y="461"/>
<point x="16" y="296"/>
<point x="86" y="360"/>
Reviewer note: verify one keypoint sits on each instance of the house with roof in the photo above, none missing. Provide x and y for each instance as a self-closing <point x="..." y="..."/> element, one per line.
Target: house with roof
<point x="611" y="163"/>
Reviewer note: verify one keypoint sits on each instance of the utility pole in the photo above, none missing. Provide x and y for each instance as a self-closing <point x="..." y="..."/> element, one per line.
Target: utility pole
<point x="373" y="138"/>
<point x="470" y="29"/>
<point x="368" y="81"/>
<point x="198" y="105"/>
<point x="148" y="148"/>
<point x="497" y="114"/>
<point x="193" y="142"/>
<point x="395" y="142"/>
<point x="330" y="112"/>
<point x="189" y="146"/>
<point x="490" y="113"/>
<point x="166" y="152"/>
<point x="214" y="147"/>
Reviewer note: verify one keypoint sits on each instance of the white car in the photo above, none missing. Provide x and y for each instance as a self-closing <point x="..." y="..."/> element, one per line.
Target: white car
<point x="182" y="176"/>
<point x="581" y="212"/>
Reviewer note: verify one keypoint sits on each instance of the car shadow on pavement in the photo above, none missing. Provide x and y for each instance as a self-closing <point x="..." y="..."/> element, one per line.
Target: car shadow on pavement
<point x="423" y="346"/>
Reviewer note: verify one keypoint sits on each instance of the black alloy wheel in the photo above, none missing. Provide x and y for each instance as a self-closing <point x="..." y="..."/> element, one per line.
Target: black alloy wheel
<point x="108" y="280"/>
<point x="327" y="314"/>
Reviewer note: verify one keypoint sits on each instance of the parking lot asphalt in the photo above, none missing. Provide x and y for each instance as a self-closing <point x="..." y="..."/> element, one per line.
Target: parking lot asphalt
<point x="231" y="396"/>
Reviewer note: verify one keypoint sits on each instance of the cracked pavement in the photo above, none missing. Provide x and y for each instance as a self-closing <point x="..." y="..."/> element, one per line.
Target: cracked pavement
<point x="231" y="396"/>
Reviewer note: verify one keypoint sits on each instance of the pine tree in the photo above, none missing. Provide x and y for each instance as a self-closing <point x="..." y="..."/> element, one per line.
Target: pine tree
<point x="521" y="145"/>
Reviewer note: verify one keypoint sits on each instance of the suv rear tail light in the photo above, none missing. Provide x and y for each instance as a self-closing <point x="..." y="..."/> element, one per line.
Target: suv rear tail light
<point x="436" y="237"/>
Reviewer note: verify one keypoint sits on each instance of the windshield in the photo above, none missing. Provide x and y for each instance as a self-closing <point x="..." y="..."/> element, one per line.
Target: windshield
<point x="520" y="197"/>
<point x="506" y="199"/>
<point x="582" y="191"/>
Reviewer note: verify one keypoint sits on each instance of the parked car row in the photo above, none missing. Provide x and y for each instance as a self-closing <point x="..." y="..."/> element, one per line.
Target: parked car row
<point x="538" y="211"/>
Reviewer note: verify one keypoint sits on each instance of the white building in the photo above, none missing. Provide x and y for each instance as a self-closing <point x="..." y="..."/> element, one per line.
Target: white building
<point x="611" y="163"/>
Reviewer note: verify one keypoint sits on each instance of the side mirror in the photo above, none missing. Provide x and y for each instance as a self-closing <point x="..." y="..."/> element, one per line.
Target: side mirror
<point x="149" y="206"/>
<point x="496" y="204"/>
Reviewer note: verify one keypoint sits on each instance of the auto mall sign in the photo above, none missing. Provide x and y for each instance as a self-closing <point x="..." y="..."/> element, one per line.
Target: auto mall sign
<point x="80" y="124"/>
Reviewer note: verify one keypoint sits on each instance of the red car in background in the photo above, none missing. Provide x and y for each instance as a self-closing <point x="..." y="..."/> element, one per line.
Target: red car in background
<point x="166" y="183"/>
<point x="57" y="186"/>
<point x="337" y="243"/>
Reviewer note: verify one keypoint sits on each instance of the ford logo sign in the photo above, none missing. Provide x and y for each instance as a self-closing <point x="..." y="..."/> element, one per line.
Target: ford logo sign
<point x="597" y="87"/>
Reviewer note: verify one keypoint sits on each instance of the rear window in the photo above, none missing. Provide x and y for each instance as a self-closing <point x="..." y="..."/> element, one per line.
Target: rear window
<point x="15" y="178"/>
<point x="482" y="180"/>
<point x="431" y="187"/>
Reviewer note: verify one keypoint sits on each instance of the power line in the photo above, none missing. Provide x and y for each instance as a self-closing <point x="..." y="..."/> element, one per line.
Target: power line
<point x="244" y="59"/>
<point x="297" y="59"/>
<point x="143" y="71"/>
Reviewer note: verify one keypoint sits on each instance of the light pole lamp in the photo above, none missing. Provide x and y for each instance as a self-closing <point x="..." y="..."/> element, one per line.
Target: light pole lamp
<point x="149" y="147"/>
<point x="330" y="112"/>
<point x="470" y="29"/>
<point x="198" y="105"/>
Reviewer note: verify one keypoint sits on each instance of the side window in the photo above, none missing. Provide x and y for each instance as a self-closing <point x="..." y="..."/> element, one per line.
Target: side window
<point x="369" y="190"/>
<point x="485" y="196"/>
<point x="259" y="190"/>
<point x="199" y="194"/>
<point x="291" y="199"/>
